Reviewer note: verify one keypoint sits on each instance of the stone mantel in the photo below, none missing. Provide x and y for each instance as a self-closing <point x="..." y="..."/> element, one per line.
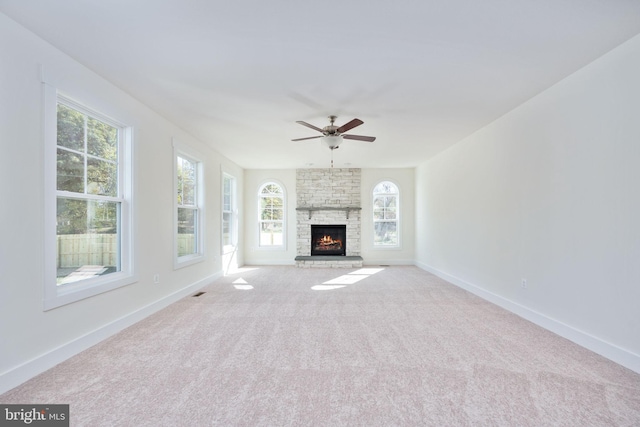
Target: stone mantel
<point x="311" y="209"/>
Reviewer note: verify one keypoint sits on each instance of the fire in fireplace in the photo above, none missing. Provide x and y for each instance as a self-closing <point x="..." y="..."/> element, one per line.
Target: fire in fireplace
<point x="328" y="239"/>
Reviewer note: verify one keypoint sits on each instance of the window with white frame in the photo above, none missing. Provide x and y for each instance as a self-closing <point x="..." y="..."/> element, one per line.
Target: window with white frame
<point x="386" y="215"/>
<point x="229" y="218"/>
<point x="87" y="202"/>
<point x="188" y="209"/>
<point x="271" y="210"/>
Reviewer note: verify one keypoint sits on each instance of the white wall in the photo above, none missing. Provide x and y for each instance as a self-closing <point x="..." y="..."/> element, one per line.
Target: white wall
<point x="31" y="339"/>
<point x="550" y="192"/>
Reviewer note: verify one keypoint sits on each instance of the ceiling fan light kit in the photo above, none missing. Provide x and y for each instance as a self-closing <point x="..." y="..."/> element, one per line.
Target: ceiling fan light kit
<point x="332" y="141"/>
<point x="333" y="135"/>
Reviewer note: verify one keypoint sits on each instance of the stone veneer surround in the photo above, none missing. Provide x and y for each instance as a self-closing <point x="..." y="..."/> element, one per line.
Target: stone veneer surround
<point x="336" y="190"/>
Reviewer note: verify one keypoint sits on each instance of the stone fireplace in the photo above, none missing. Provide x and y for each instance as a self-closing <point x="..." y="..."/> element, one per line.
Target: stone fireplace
<point x="328" y="198"/>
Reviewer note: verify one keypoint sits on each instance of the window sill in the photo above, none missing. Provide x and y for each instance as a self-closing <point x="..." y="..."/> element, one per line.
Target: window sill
<point x="74" y="292"/>
<point x="187" y="260"/>
<point x="387" y="248"/>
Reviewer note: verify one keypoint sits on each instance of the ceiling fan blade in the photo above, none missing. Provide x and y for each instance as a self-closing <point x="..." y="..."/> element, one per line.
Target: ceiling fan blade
<point x="300" y="122"/>
<point x="310" y="137"/>
<point x="348" y="126"/>
<point x="360" y="138"/>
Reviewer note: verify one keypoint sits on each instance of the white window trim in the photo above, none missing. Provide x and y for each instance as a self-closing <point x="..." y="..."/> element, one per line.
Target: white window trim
<point x="226" y="249"/>
<point x="186" y="152"/>
<point x="283" y="246"/>
<point x="398" y="220"/>
<point x="54" y="295"/>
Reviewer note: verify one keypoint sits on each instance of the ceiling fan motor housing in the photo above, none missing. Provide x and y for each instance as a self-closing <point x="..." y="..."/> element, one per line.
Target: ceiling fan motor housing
<point x="330" y="130"/>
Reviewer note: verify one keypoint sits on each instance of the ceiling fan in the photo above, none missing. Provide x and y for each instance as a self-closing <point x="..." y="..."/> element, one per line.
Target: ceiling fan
<point x="332" y="135"/>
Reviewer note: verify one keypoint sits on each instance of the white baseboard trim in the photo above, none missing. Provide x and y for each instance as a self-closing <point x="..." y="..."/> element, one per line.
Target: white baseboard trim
<point x="24" y="372"/>
<point x="267" y="263"/>
<point x="610" y="351"/>
<point x="378" y="262"/>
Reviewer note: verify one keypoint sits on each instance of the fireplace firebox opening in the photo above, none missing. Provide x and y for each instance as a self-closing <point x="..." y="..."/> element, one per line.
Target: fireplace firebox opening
<point x="328" y="240"/>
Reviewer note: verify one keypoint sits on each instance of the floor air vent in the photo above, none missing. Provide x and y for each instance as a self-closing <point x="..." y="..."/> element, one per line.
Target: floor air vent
<point x="198" y="294"/>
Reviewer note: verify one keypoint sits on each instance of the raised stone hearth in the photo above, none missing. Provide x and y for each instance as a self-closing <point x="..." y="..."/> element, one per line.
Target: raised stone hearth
<point x="329" y="261"/>
<point x="328" y="197"/>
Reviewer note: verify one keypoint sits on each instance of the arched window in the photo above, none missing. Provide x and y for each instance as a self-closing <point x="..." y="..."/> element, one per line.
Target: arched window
<point x="386" y="215"/>
<point x="271" y="215"/>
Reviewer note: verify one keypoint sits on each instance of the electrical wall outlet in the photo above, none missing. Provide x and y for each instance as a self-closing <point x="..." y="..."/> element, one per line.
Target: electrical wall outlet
<point x="523" y="283"/>
<point x="156" y="278"/>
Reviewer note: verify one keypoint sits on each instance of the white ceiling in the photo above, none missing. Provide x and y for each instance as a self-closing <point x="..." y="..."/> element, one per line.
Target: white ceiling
<point x="421" y="74"/>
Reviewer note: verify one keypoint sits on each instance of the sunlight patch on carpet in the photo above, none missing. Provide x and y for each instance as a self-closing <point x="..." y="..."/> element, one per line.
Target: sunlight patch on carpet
<point x="347" y="279"/>
<point x="242" y="285"/>
<point x="327" y="287"/>
<point x="353" y="277"/>
<point x="368" y="271"/>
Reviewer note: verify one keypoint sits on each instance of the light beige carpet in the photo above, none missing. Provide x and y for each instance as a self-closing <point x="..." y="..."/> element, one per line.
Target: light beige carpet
<point x="281" y="346"/>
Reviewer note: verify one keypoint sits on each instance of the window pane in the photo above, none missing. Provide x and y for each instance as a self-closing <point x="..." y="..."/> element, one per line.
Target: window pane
<point x="88" y="240"/>
<point x="385" y="233"/>
<point x="390" y="213"/>
<point x="271" y="234"/>
<point x="229" y="219"/>
<point x="70" y="128"/>
<point x="186" y="182"/>
<point x="385" y="187"/>
<point x="266" y="202"/>
<point x="180" y="179"/>
<point x="189" y="193"/>
<point x="102" y="139"/>
<point x="271" y="202"/>
<point x="378" y="207"/>
<point x="272" y="215"/>
<point x="390" y="201"/>
<point x="187" y="242"/>
<point x="102" y="177"/>
<point x="277" y="214"/>
<point x="226" y="228"/>
<point x="271" y="208"/>
<point x="227" y="202"/>
<point x="271" y="189"/>
<point x="70" y="171"/>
